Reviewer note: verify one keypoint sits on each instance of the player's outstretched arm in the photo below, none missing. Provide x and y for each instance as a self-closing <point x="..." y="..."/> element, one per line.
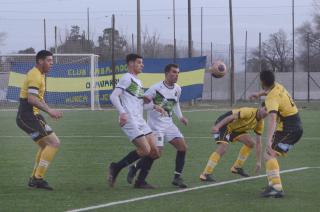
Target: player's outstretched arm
<point x="40" y="104"/>
<point x="258" y="154"/>
<point x="272" y="124"/>
<point x="226" y="120"/>
<point x="258" y="94"/>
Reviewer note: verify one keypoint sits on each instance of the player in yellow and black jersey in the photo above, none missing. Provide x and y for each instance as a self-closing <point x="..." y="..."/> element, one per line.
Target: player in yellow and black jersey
<point x="284" y="129"/>
<point x="234" y="126"/>
<point x="32" y="122"/>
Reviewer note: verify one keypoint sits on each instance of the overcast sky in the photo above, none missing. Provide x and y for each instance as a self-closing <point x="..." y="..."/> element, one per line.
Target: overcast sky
<point x="22" y="20"/>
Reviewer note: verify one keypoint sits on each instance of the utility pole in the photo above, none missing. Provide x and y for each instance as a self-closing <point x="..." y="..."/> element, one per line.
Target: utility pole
<point x="232" y="55"/>
<point x="293" y="59"/>
<point x="138" y="28"/>
<point x="174" y="32"/>
<point x="189" y="30"/>
<point x="201" y="29"/>
<point x="44" y="33"/>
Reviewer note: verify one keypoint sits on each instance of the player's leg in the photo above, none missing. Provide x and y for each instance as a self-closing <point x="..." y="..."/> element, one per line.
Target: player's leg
<point x="180" y="145"/>
<point x="282" y="142"/>
<point x="248" y="144"/>
<point x="142" y="149"/>
<point x="222" y="139"/>
<point x="133" y="169"/>
<point x="42" y="134"/>
<point x="214" y="160"/>
<point x="146" y="162"/>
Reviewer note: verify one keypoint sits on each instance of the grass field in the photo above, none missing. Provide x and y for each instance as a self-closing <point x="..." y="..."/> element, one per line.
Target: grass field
<point x="91" y="140"/>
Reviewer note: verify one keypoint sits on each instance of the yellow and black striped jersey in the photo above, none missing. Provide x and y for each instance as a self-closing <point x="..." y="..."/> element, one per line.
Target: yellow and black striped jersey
<point x="245" y="120"/>
<point x="279" y="101"/>
<point x="34" y="83"/>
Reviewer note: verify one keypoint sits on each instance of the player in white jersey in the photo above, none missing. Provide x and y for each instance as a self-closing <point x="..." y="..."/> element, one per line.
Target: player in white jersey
<point x="166" y="94"/>
<point x="127" y="97"/>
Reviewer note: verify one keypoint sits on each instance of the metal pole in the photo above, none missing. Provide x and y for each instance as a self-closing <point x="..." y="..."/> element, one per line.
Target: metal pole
<point x="201" y="28"/>
<point x="132" y="42"/>
<point x="88" y="24"/>
<point x="189" y="30"/>
<point x="55" y="43"/>
<point x="174" y="32"/>
<point x="260" y="54"/>
<point x="44" y="34"/>
<point x="211" y="49"/>
<point x="245" y="65"/>
<point x="308" y="64"/>
<point x="138" y="28"/>
<point x="112" y="54"/>
<point x="293" y="59"/>
<point x="232" y="55"/>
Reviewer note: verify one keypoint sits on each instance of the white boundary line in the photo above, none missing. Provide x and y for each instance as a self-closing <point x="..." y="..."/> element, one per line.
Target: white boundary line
<point x="180" y="191"/>
<point x="122" y="136"/>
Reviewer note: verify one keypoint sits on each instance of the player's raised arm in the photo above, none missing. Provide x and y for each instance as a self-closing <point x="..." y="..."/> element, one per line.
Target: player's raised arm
<point x="223" y="122"/>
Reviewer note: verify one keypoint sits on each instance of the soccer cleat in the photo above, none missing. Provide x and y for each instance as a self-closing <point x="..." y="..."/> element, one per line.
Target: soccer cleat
<point x="239" y="171"/>
<point x="272" y="192"/>
<point x="179" y="182"/>
<point x="113" y="173"/>
<point x="207" y="178"/>
<point x="143" y="185"/>
<point x="39" y="183"/>
<point x="131" y="173"/>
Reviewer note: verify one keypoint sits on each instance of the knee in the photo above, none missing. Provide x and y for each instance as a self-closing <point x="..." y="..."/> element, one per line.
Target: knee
<point x="155" y="154"/>
<point x="144" y="151"/>
<point x="250" y="145"/>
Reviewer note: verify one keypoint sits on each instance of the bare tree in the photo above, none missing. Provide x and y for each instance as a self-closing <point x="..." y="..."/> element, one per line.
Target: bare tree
<point x="276" y="54"/>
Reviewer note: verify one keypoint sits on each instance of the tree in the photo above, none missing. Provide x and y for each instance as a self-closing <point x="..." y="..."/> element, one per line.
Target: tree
<point x="311" y="30"/>
<point x="29" y="50"/>
<point x="121" y="45"/>
<point x="75" y="42"/>
<point x="275" y="54"/>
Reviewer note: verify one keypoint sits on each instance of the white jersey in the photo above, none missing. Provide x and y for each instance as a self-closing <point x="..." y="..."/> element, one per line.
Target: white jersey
<point x="132" y="97"/>
<point x="167" y="98"/>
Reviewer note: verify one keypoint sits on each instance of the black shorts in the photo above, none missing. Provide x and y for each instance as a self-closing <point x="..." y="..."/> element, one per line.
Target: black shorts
<point x="283" y="141"/>
<point x="224" y="137"/>
<point x="34" y="125"/>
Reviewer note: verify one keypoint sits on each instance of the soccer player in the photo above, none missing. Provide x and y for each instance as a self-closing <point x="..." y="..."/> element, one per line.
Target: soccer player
<point x="166" y="94"/>
<point x="234" y="126"/>
<point x="32" y="122"/>
<point x="127" y="97"/>
<point x="284" y="129"/>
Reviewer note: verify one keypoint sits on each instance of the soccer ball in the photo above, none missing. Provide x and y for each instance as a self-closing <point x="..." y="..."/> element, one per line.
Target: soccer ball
<point x="218" y="69"/>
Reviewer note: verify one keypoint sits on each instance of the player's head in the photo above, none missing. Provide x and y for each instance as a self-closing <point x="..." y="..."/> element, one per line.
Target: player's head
<point x="44" y="60"/>
<point x="134" y="63"/>
<point x="267" y="79"/>
<point x="262" y="111"/>
<point x="171" y="72"/>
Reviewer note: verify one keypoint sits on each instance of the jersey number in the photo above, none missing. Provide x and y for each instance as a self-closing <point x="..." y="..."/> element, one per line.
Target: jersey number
<point x="291" y="101"/>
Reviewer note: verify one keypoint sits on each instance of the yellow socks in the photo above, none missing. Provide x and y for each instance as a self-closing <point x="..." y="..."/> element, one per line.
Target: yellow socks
<point x="242" y="157"/>
<point x="46" y="157"/>
<point x="212" y="162"/>
<point x="36" y="161"/>
<point x="273" y="174"/>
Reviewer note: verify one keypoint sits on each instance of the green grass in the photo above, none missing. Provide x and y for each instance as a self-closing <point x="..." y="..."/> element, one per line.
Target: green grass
<point x="79" y="170"/>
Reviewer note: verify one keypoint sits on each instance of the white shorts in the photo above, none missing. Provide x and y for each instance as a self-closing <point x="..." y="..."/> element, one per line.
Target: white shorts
<point x="135" y="128"/>
<point x="167" y="135"/>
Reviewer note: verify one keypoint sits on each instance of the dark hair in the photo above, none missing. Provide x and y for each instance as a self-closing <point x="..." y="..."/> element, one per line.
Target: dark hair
<point x="132" y="57"/>
<point x="267" y="78"/>
<point x="169" y="66"/>
<point x="263" y="104"/>
<point x="41" y="55"/>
